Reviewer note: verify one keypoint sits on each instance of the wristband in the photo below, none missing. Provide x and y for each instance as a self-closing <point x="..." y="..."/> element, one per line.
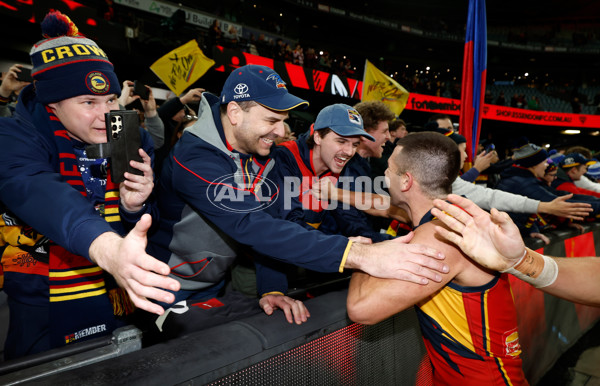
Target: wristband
<point x="536" y="269"/>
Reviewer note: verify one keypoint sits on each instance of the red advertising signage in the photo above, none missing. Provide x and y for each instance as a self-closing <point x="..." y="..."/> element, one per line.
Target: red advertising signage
<point x="321" y="81"/>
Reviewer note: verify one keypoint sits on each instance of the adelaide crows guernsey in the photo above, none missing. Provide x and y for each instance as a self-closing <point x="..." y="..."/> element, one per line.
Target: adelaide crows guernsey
<point x="471" y="334"/>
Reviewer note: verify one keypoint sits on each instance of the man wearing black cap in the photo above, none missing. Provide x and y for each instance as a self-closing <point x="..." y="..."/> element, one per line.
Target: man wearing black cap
<point x="214" y="187"/>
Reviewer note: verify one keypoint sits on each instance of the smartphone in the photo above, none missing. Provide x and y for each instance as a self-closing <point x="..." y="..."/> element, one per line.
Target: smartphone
<point x="123" y="134"/>
<point x="140" y="89"/>
<point x="490" y="147"/>
<point x="24" y="75"/>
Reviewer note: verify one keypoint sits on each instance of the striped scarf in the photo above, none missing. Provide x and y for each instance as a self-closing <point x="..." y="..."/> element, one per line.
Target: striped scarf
<point x="83" y="300"/>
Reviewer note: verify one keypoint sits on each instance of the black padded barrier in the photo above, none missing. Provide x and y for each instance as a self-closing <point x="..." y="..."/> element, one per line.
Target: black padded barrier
<point x="329" y="349"/>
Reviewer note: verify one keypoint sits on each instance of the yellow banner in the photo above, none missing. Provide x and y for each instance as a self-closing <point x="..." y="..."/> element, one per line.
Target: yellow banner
<point x="377" y="86"/>
<point x="183" y="66"/>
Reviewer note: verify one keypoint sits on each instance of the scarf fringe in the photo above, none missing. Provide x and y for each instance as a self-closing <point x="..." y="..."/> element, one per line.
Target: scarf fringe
<point x="121" y="302"/>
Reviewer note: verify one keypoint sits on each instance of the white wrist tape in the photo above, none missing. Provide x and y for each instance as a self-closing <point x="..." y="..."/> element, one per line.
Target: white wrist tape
<point x="536" y="269"/>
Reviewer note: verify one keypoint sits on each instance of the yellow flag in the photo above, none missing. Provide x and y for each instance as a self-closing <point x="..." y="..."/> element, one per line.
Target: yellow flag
<point x="181" y="67"/>
<point x="377" y="86"/>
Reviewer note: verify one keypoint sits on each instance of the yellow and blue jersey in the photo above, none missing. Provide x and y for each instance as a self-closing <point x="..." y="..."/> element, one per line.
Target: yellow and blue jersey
<point x="471" y="334"/>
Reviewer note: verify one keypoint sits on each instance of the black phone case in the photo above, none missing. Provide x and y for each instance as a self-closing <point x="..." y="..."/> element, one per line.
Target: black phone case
<point x="140" y="89"/>
<point x="123" y="133"/>
<point x="24" y="75"/>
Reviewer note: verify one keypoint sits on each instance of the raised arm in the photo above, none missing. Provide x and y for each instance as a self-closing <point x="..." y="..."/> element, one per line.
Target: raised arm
<point x="493" y="241"/>
<point x="370" y="203"/>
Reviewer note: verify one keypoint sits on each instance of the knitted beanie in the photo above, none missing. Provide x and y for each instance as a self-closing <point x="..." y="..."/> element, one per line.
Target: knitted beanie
<point x="529" y="155"/>
<point x="67" y="64"/>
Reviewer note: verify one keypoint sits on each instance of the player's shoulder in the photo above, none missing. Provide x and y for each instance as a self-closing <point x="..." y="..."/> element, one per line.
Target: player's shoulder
<point x="425" y="234"/>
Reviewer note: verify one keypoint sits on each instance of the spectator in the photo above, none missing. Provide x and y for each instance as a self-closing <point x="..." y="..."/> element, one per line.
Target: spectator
<point x="397" y="131"/>
<point x="524" y="178"/>
<point x="230" y="144"/>
<point x="376" y="117"/>
<point x="10" y="88"/>
<point x="64" y="212"/>
<point x="298" y="55"/>
<point x="571" y="169"/>
<point x="151" y="121"/>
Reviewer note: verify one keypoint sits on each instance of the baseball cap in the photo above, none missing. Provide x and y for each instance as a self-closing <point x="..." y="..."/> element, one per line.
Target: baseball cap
<point x="575" y="159"/>
<point x="343" y="120"/>
<point x="260" y="84"/>
<point x="594" y="170"/>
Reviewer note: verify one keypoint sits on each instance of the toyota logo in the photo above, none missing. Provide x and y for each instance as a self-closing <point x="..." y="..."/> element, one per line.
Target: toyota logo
<point x="241" y="88"/>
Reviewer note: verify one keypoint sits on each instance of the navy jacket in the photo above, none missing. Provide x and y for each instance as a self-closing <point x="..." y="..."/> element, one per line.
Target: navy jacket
<point x="212" y="202"/>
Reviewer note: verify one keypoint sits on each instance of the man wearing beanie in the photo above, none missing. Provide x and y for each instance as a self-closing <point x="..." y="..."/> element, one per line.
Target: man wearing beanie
<point x="214" y="189"/>
<point x="525" y="177"/>
<point x="65" y="218"/>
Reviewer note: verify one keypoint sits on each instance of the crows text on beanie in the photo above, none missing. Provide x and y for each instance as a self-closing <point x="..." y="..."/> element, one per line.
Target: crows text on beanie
<point x="67" y="64"/>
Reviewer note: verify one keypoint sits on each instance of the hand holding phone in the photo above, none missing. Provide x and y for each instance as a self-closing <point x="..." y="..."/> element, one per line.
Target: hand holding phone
<point x="123" y="134"/>
<point x="140" y="89"/>
<point x="24" y="75"/>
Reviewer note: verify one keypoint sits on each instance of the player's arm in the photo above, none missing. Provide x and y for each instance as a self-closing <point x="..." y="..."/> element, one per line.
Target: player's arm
<point x="494" y="242"/>
<point x="371" y="300"/>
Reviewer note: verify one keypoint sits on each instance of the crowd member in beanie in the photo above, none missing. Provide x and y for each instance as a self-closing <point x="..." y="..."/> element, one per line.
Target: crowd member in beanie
<point x="214" y="186"/>
<point x="65" y="220"/>
<point x="524" y="177"/>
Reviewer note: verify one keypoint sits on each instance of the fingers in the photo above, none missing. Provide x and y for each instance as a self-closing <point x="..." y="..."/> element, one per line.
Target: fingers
<point x="294" y="310"/>
<point x="451" y="222"/>
<point x="144" y="166"/>
<point x="417" y="274"/>
<point x="141" y="227"/>
<point x="464" y="203"/>
<point x="146" y="305"/>
<point x="500" y="218"/>
<point x="449" y="235"/>
<point x="406" y="238"/>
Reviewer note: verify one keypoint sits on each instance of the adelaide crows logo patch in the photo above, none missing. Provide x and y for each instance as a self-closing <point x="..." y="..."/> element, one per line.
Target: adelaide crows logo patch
<point x="97" y="82"/>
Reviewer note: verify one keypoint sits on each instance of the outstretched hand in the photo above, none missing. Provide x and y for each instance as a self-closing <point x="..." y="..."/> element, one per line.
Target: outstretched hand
<point x="492" y="240"/>
<point x="561" y="208"/>
<point x="140" y="274"/>
<point x="395" y="259"/>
